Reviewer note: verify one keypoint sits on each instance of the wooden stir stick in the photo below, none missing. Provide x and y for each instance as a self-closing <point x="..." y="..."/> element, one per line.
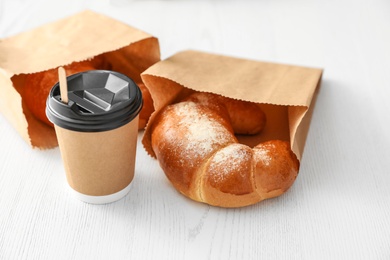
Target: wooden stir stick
<point x="63" y="85"/>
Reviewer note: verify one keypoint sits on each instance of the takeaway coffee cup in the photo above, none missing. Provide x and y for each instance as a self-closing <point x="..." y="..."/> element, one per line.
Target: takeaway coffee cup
<point x="97" y="133"/>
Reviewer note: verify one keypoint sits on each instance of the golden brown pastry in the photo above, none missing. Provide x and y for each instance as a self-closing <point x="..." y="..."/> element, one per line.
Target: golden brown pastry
<point x="245" y="117"/>
<point x="195" y="145"/>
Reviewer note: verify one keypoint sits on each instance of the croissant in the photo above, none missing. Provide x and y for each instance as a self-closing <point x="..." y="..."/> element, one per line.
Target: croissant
<point x="195" y="144"/>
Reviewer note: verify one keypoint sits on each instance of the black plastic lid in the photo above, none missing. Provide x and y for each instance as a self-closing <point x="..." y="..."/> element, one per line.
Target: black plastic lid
<point x="99" y="100"/>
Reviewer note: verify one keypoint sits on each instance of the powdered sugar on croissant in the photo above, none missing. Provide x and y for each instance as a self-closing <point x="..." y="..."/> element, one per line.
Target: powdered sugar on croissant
<point x="195" y="145"/>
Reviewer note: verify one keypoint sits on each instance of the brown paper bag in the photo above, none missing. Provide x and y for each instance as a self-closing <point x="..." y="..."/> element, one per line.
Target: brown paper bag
<point x="76" y="38"/>
<point x="286" y="93"/>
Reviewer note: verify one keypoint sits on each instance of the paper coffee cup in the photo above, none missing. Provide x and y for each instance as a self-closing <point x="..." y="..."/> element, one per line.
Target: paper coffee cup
<point x="97" y="133"/>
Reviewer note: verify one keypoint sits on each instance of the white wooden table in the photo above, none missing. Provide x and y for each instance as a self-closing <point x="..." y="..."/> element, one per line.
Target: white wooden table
<point x="338" y="208"/>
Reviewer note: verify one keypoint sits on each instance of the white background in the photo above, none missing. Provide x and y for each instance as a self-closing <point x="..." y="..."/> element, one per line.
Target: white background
<point x="339" y="206"/>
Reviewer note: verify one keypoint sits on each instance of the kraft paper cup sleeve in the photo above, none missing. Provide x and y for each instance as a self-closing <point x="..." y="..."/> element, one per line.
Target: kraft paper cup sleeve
<point x="70" y="39"/>
<point x="99" y="166"/>
<point x="285" y="92"/>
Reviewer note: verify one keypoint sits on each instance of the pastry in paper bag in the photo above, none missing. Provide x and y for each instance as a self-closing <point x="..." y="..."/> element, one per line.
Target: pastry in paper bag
<point x="228" y="170"/>
<point x="93" y="40"/>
